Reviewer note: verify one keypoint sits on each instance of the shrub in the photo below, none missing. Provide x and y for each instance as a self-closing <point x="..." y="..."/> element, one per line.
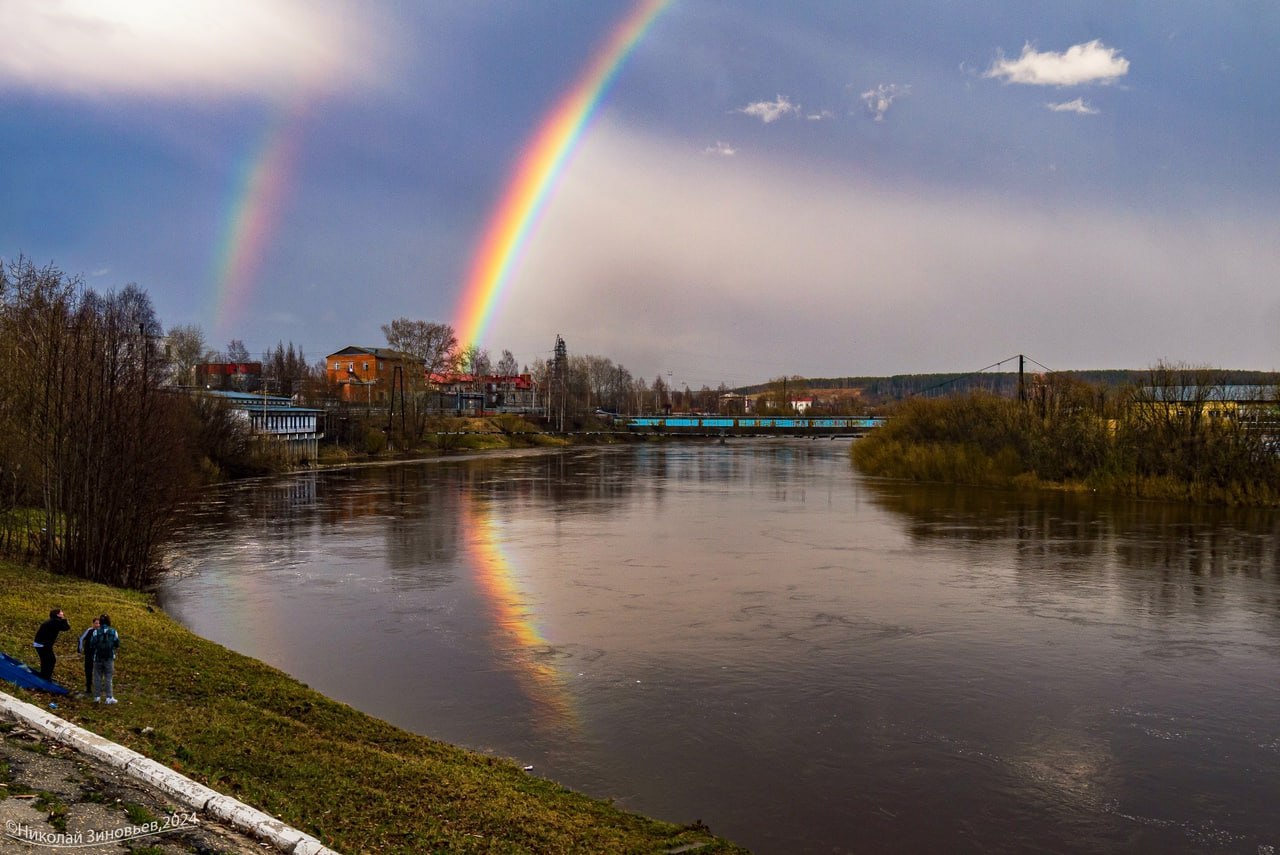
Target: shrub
<point x="375" y="441"/>
<point x="1066" y="435"/>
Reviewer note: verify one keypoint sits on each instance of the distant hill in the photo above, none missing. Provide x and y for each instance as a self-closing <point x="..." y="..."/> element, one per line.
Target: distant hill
<point x="873" y="389"/>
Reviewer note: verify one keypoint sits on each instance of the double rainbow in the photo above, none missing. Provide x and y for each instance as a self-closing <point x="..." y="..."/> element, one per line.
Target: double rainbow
<point x="535" y="174"/>
<point x="263" y="176"/>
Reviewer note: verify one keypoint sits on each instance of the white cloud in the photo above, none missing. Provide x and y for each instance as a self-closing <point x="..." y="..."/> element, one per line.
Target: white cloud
<point x="820" y="116"/>
<point x="1090" y="62"/>
<point x="184" y="47"/>
<point x="723" y="149"/>
<point x="647" y="256"/>
<point x="771" y="111"/>
<point x="1077" y="105"/>
<point x="880" y="99"/>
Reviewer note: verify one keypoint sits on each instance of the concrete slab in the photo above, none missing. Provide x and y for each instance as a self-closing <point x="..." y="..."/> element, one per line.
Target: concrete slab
<point x="151" y="775"/>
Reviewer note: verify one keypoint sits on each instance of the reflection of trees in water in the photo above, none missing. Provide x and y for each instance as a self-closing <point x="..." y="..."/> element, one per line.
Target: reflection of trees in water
<point x="1163" y="558"/>
<point x="778" y="467"/>
<point x="284" y="505"/>
<point x="274" y="500"/>
<point x="604" y="480"/>
<point x="415" y="497"/>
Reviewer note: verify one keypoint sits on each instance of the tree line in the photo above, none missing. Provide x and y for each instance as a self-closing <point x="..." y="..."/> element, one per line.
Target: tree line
<point x="102" y="445"/>
<point x="875" y="391"/>
<point x="97" y="455"/>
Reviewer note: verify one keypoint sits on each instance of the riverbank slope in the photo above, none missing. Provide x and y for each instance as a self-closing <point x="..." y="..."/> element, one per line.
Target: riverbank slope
<point x="248" y="730"/>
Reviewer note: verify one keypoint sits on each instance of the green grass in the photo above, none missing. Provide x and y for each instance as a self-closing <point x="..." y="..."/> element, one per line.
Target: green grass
<point x="138" y="815"/>
<point x="353" y="781"/>
<point x="55" y="808"/>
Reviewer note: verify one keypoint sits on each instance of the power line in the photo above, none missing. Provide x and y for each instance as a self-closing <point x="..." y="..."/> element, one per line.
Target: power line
<point x="949" y="381"/>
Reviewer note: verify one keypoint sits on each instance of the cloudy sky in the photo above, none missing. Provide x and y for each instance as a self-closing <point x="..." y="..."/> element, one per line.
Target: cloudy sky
<point x="766" y="188"/>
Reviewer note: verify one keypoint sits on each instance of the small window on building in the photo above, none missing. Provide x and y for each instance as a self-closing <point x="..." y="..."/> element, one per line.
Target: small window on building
<point x="365" y="369"/>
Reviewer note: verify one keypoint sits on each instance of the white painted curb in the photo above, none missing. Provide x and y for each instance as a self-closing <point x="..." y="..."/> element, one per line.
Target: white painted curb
<point x="178" y="787"/>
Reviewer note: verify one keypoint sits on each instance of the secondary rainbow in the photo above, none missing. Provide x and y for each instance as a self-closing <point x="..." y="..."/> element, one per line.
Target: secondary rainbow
<point x="252" y="215"/>
<point x="535" y="174"/>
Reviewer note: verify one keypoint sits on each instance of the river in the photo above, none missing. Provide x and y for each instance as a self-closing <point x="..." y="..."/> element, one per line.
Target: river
<point x="755" y="636"/>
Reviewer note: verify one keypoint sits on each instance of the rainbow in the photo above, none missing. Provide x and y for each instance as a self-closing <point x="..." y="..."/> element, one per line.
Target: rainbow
<point x="535" y="174"/>
<point x="252" y="214"/>
<point x="516" y="638"/>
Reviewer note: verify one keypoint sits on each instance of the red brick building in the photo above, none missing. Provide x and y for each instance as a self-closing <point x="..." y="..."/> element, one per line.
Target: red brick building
<point x="229" y="376"/>
<point x="492" y="393"/>
<point x="364" y="375"/>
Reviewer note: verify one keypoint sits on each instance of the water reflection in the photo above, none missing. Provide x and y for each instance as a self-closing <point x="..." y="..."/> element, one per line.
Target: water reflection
<point x="754" y="635"/>
<point x="1165" y="560"/>
<point x="517" y="638"/>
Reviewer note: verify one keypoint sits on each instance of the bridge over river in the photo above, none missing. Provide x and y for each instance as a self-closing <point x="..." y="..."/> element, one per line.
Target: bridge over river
<point x="743" y="426"/>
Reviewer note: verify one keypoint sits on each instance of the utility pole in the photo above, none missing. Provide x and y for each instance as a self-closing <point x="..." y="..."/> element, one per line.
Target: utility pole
<point x="1022" y="381"/>
<point x="560" y="375"/>
<point x="397" y="383"/>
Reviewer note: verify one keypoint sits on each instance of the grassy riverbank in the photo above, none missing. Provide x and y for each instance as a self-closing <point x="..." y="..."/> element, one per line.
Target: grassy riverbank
<point x="353" y="781"/>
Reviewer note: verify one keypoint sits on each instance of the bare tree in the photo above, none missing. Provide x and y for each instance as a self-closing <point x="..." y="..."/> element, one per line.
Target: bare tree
<point x="1171" y="420"/>
<point x="285" y="371"/>
<point x="617" y="393"/>
<point x="659" y="389"/>
<point x="705" y="400"/>
<point x="640" y="396"/>
<point x="433" y="348"/>
<point x="507" y="365"/>
<point x="435" y="345"/>
<point x="107" y="457"/>
<point x="236" y="351"/>
<point x="186" y="349"/>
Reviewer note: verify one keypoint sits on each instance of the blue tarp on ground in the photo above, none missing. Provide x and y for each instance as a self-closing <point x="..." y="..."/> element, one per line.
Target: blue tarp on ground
<point x="20" y="674"/>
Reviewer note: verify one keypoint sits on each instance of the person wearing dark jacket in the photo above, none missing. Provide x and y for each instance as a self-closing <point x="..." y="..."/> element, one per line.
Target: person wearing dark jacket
<point x="85" y="649"/>
<point x="104" y="641"/>
<point x="46" y="635"/>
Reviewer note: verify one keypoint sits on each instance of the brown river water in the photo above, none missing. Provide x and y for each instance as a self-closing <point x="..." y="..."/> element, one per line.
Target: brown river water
<point x="756" y="636"/>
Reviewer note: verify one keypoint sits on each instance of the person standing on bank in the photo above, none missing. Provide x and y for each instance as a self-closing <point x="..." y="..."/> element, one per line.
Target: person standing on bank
<point x="86" y="650"/>
<point x="104" y="642"/>
<point x="46" y="635"/>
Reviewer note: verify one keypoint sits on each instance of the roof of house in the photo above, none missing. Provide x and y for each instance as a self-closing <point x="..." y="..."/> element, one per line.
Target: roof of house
<point x="518" y="381"/>
<point x="256" y="401"/>
<point x="376" y="352"/>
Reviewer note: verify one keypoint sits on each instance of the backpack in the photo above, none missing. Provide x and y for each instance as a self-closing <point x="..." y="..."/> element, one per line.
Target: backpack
<point x="104" y="642"/>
